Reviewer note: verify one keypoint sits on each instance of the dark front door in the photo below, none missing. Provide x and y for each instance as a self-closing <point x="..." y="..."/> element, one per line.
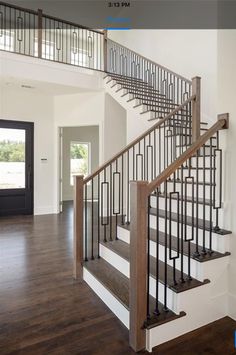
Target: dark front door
<point x="16" y="167"/>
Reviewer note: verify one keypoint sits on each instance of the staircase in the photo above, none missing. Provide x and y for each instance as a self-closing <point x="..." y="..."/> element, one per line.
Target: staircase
<point x="148" y="239"/>
<point x="148" y="224"/>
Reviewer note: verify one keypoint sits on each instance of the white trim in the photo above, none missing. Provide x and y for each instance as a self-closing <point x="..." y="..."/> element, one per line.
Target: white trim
<point x="232" y="306"/>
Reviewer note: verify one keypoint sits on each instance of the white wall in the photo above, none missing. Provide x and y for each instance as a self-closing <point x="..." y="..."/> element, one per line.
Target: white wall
<point x="114" y="127"/>
<point x="226" y="103"/>
<point x="84" y="109"/>
<point x="26" y="105"/>
<point x="187" y="52"/>
<point x="47" y="72"/>
<point x="89" y="134"/>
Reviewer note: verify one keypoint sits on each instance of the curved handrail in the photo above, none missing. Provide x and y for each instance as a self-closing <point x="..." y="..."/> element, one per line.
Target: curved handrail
<point x="134" y="142"/>
<point x="192" y="150"/>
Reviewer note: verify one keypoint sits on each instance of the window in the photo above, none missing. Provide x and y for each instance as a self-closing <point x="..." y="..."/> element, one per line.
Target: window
<point x="79" y="160"/>
<point x="47" y="49"/>
<point x="79" y="57"/>
<point x="6" y="40"/>
<point x="12" y="158"/>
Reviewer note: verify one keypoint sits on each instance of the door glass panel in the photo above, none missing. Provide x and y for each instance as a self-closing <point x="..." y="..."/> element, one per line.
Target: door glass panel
<point x="12" y="158"/>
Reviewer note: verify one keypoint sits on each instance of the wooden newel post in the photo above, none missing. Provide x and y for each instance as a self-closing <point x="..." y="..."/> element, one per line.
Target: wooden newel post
<point x="40" y="32"/>
<point x="196" y="116"/>
<point x="138" y="263"/>
<point x="105" y="50"/>
<point x="78" y="226"/>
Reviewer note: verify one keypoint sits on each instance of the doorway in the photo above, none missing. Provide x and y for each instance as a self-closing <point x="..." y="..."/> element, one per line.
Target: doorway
<point x="16" y="167"/>
<point x="79" y="155"/>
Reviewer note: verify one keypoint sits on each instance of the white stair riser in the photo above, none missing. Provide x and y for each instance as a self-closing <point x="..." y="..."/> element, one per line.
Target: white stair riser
<point x="207" y="311"/>
<point x="174" y="204"/>
<point x="201" y="162"/>
<point x="170" y="187"/>
<point x="201" y="309"/>
<point x="201" y="151"/>
<point x="123" y="265"/>
<point x="196" y="268"/>
<point x="193" y="173"/>
<point x="217" y="240"/>
<point x="199" y="271"/>
<point x="107" y="297"/>
<point x="220" y="243"/>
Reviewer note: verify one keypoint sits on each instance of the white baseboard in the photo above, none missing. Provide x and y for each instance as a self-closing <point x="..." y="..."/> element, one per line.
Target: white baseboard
<point x="45" y="210"/>
<point x="232" y="306"/>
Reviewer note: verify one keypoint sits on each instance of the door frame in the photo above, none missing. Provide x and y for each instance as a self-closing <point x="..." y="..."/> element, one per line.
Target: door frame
<point x="29" y="152"/>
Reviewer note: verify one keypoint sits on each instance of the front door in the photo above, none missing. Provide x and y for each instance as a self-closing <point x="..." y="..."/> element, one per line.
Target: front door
<point x="16" y="167"/>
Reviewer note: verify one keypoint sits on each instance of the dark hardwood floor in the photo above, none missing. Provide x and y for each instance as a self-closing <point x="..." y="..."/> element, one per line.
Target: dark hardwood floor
<point x="44" y="311"/>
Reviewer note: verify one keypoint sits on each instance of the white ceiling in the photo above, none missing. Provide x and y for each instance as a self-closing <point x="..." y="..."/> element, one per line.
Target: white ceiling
<point x="39" y="86"/>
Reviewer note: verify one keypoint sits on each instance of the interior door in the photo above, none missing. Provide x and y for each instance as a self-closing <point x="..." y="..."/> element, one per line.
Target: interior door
<point x="16" y="167"/>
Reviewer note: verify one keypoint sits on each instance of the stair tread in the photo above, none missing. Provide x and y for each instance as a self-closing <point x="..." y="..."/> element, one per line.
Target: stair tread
<point x="188" y="145"/>
<point x="130" y="78"/>
<point x="194" y="167"/>
<point x="179" y="181"/>
<point x="184" y="114"/>
<point x="111" y="278"/>
<point x="118" y="285"/>
<point x="162" y="99"/>
<point x="157" y="94"/>
<point x="186" y="198"/>
<point x="182" y="134"/>
<point x="146" y="90"/>
<point x="201" y="258"/>
<point x="132" y="82"/>
<point x="174" y="217"/>
<point x="123" y="249"/>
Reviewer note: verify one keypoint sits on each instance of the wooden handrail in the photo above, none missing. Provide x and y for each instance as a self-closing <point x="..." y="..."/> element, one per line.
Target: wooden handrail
<point x="134" y="142"/>
<point x="152" y="62"/>
<point x="73" y="24"/>
<point x="222" y="123"/>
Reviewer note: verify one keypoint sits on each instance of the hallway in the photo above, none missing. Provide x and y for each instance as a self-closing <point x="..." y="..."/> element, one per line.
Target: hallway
<point x="44" y="311"/>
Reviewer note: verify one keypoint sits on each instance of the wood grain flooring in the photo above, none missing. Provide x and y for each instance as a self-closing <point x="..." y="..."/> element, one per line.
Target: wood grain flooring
<point x="44" y="311"/>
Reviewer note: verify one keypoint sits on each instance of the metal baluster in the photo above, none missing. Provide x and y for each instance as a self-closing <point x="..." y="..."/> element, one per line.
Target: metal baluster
<point x="186" y="222"/>
<point x="182" y="225"/>
<point x="86" y="225"/>
<point x="217" y="228"/>
<point x="128" y="191"/>
<point x="98" y="216"/>
<point x="197" y="254"/>
<point x="165" y="255"/>
<point x="204" y="201"/>
<point x="211" y="204"/>
<point x="122" y="190"/>
<point x="111" y="194"/>
<point x="157" y="311"/>
<point x="104" y="224"/>
<point x="171" y="257"/>
<point x="116" y="212"/>
<point x="92" y="222"/>
<point x="148" y="258"/>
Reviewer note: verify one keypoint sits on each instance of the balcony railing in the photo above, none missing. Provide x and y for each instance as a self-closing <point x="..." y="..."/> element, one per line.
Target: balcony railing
<point x="35" y="34"/>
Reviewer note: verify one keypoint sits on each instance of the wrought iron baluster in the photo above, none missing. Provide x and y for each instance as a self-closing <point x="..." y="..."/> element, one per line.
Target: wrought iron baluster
<point x="157" y="311"/>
